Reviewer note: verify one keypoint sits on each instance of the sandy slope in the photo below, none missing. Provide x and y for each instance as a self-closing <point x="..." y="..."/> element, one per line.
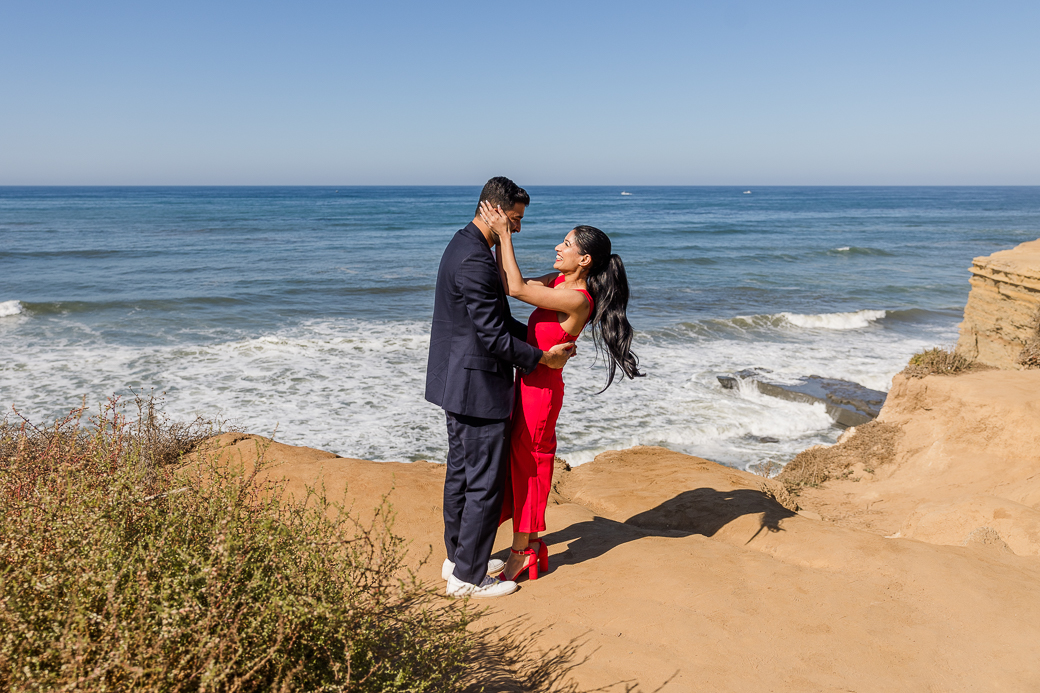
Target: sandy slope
<point x="671" y="569"/>
<point x="968" y="458"/>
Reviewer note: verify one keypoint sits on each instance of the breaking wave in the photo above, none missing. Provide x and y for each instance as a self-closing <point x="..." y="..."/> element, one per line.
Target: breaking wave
<point x="8" y="308"/>
<point x="835" y="321"/>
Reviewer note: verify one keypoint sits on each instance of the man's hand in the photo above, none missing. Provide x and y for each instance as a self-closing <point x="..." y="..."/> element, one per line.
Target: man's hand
<point x="558" y="355"/>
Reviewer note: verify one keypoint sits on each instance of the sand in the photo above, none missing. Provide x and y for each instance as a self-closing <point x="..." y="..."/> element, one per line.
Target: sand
<point x="671" y="571"/>
<point x="969" y="444"/>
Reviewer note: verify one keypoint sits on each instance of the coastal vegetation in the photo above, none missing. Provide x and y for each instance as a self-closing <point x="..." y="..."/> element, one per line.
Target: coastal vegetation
<point x="937" y="361"/>
<point x="873" y="442"/>
<point x="127" y="564"/>
<point x="1030" y="356"/>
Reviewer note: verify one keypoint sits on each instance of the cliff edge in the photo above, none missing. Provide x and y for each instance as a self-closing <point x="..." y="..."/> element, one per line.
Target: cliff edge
<point x="1000" y="320"/>
<point x="963" y="464"/>
<point x="964" y="467"/>
<point x="673" y="573"/>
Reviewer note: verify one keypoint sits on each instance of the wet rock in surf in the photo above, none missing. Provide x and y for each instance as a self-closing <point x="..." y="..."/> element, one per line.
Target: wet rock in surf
<point x="848" y="403"/>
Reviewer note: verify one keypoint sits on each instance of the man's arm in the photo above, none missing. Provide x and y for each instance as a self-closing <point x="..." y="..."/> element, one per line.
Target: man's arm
<point x="516" y="328"/>
<point x="476" y="280"/>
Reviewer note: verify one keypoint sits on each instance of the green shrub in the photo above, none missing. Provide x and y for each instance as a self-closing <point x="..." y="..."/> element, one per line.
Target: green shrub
<point x="122" y="570"/>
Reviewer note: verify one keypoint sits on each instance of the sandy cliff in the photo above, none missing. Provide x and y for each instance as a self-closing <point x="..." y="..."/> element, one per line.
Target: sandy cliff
<point x="1000" y="318"/>
<point x="669" y="569"/>
<point x="966" y="465"/>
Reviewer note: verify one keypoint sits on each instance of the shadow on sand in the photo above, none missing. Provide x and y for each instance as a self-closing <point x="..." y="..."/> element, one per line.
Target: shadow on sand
<point x="701" y="511"/>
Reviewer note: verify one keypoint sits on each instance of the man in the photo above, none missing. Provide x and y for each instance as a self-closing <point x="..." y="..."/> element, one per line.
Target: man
<point x="474" y="345"/>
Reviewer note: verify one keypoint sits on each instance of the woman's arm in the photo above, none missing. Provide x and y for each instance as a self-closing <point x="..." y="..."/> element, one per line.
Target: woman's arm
<point x="534" y="292"/>
<point x="544" y="280"/>
<point x="501" y="269"/>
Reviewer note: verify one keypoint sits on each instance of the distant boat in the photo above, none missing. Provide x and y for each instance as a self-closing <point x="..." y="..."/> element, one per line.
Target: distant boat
<point x="747" y="192"/>
<point x="625" y="193"/>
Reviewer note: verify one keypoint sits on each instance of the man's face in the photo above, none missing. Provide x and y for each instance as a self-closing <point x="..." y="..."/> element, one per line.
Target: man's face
<point x="516" y="215"/>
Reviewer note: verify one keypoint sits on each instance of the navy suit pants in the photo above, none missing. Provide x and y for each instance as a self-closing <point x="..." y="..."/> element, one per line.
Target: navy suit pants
<point x="478" y="455"/>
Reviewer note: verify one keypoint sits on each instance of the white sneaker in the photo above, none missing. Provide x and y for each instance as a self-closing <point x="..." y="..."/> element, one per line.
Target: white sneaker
<point x="488" y="587"/>
<point x="494" y="566"/>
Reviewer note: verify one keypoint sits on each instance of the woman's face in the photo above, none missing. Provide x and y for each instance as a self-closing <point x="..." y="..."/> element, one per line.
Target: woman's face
<point x="569" y="257"/>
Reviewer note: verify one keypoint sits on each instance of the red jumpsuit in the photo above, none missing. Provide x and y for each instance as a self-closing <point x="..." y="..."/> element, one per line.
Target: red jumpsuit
<point x="532" y="448"/>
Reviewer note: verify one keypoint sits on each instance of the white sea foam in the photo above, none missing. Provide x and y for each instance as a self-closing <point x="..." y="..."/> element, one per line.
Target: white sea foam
<point x="8" y="308"/>
<point x="843" y="249"/>
<point x="835" y="321"/>
<point x="356" y="387"/>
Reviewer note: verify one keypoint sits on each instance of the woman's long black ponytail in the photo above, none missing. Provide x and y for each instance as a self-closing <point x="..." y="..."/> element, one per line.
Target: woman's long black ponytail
<point x="607" y="282"/>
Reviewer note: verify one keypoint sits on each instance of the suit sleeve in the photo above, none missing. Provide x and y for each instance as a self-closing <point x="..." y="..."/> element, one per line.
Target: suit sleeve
<point x="517" y="328"/>
<point x="477" y="282"/>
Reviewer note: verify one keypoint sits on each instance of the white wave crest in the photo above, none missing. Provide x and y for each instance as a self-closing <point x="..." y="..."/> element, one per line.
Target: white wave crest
<point x="8" y="308"/>
<point x="835" y="321"/>
<point x="843" y="249"/>
<point x="355" y="387"/>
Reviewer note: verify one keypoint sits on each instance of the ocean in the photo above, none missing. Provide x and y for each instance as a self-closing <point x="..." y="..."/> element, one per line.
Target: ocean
<point x="304" y="313"/>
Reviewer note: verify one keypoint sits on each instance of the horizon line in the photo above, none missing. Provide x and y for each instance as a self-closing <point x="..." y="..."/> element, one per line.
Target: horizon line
<point x="539" y="185"/>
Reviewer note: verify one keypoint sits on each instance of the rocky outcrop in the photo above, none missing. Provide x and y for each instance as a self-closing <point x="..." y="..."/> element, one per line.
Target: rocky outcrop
<point x="1000" y="318"/>
<point x="848" y="403"/>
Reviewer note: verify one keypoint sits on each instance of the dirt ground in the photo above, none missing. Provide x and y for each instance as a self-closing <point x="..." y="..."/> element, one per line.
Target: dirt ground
<point x="669" y="572"/>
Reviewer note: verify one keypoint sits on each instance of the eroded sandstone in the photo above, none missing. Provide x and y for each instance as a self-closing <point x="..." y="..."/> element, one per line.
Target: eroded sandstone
<point x="1000" y="319"/>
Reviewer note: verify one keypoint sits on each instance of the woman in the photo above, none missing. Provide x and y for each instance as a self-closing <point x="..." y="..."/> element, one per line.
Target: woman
<point x="589" y="287"/>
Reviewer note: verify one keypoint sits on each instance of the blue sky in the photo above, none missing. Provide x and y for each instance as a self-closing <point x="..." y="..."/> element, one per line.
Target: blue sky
<point x="341" y="93"/>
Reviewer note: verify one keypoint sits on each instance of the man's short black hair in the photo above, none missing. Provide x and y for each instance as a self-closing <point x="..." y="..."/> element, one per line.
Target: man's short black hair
<point x="500" y="191"/>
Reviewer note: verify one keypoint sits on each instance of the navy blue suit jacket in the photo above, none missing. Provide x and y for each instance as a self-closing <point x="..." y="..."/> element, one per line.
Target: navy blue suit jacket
<point x="474" y="342"/>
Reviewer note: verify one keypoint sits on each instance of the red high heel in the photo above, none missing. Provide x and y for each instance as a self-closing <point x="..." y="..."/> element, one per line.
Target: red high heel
<point x="530" y="563"/>
<point x="543" y="555"/>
